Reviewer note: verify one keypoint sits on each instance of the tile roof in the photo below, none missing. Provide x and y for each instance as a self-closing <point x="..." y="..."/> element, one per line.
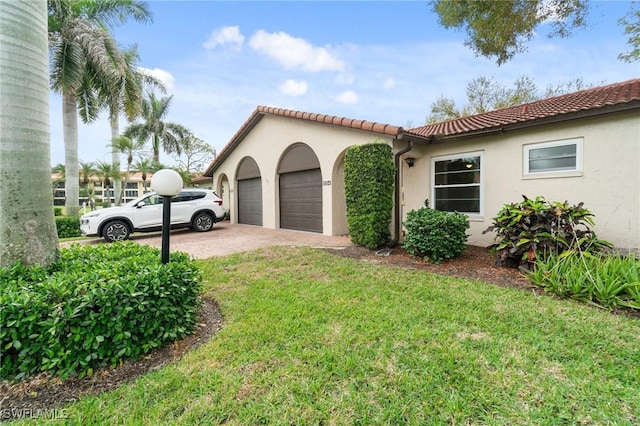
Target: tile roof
<point x="261" y="111"/>
<point x="597" y="100"/>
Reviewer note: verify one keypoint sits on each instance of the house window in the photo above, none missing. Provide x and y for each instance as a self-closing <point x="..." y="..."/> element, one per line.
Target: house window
<point x="557" y="156"/>
<point x="457" y="183"/>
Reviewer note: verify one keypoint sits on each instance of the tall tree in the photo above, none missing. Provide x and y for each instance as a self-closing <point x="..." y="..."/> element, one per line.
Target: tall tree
<point x="485" y="94"/>
<point x="501" y="29"/>
<point x="84" y="56"/>
<point x="27" y="228"/>
<point x="154" y="127"/>
<point x="126" y="98"/>
<point x="196" y="154"/>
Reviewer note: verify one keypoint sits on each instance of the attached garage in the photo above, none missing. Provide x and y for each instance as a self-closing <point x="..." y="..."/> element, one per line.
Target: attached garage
<point x="249" y="194"/>
<point x="300" y="190"/>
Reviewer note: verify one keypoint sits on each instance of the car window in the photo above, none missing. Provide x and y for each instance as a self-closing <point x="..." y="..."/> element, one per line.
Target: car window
<point x="198" y="195"/>
<point x="153" y="199"/>
<point x="183" y="196"/>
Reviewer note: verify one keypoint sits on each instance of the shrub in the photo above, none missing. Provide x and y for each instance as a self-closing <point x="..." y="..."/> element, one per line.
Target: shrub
<point x="96" y="306"/>
<point x="57" y="211"/>
<point x="609" y="281"/>
<point x="534" y="229"/>
<point x="435" y="234"/>
<point x="368" y="178"/>
<point x="68" y="226"/>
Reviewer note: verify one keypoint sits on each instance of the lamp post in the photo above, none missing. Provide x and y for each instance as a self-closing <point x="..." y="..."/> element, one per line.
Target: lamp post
<point x="168" y="183"/>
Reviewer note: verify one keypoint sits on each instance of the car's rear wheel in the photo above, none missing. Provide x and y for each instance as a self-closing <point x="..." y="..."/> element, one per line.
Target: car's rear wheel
<point x="116" y="230"/>
<point x="203" y="222"/>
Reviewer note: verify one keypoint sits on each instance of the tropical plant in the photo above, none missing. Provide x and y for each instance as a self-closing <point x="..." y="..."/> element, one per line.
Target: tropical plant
<point x="144" y="167"/>
<point x="86" y="171"/>
<point x="27" y="227"/>
<point x="107" y="173"/>
<point x="84" y="59"/>
<point x="130" y="148"/>
<point x="536" y="228"/>
<point x="165" y="134"/>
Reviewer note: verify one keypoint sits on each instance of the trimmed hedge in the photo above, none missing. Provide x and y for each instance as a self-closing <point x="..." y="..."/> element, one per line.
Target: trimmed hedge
<point x="68" y="226"/>
<point x="369" y="178"/>
<point x="435" y="234"/>
<point x="96" y="306"/>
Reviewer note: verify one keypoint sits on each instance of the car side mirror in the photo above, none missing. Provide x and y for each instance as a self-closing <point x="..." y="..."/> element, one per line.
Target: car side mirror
<point x="141" y="204"/>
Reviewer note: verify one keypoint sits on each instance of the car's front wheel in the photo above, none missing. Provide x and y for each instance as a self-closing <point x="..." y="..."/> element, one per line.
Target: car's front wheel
<point x="203" y="222"/>
<point x="116" y="230"/>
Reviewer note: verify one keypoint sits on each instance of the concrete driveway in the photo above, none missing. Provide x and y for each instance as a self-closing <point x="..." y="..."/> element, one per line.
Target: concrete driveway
<point x="227" y="238"/>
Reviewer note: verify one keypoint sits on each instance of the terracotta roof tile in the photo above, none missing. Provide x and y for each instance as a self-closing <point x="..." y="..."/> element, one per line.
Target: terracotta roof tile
<point x="261" y="111"/>
<point x="564" y="105"/>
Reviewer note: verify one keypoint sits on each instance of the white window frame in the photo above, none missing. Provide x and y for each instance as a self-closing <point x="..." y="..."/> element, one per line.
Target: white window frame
<point x="578" y="142"/>
<point x="434" y="160"/>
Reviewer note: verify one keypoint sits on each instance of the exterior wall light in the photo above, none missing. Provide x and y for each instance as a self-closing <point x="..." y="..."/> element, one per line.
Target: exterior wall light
<point x="167" y="183"/>
<point x="410" y="161"/>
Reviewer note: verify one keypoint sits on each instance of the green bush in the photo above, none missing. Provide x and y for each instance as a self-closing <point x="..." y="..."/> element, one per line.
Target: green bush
<point x="435" y="234"/>
<point x="534" y="229"/>
<point x="96" y="306"/>
<point x="57" y="211"/>
<point x="68" y="226"/>
<point x="608" y="281"/>
<point x="368" y="178"/>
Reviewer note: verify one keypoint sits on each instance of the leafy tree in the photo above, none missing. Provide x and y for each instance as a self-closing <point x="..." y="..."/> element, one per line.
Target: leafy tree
<point x="197" y="154"/>
<point x="27" y="227"/>
<point x="84" y="59"/>
<point x="501" y="29"/>
<point x="485" y="94"/>
<point x="154" y="127"/>
<point x="631" y="24"/>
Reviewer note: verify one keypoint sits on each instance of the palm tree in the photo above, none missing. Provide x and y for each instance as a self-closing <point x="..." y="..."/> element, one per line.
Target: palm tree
<point x="129" y="147"/>
<point x="127" y="99"/>
<point x="167" y="134"/>
<point x="144" y="167"/>
<point x="27" y="227"/>
<point x="106" y="173"/>
<point x="85" y="57"/>
<point x="86" y="171"/>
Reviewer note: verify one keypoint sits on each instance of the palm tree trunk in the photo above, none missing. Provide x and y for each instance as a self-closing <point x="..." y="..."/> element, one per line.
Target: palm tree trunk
<point x="115" y="159"/>
<point x="156" y="149"/>
<point x="71" y="162"/>
<point x="27" y="227"/>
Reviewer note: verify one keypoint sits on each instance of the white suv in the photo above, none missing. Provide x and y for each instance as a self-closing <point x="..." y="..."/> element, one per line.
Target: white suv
<point x="193" y="208"/>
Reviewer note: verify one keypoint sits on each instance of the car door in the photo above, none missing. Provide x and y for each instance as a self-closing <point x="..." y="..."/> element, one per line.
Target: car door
<point x="148" y="212"/>
<point x="182" y="206"/>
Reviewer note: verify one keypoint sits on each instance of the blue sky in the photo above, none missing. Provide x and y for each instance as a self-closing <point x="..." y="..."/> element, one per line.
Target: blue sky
<point x="384" y="61"/>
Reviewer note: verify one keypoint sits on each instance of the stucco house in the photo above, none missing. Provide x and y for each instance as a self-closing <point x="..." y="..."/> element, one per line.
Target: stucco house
<point x="284" y="168"/>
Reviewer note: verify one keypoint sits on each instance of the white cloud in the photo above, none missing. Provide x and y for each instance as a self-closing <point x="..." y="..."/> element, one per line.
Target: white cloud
<point x="164" y="76"/>
<point x="293" y="87"/>
<point x="226" y="36"/>
<point x="349" y="97"/>
<point x="389" y="83"/>
<point x="292" y="52"/>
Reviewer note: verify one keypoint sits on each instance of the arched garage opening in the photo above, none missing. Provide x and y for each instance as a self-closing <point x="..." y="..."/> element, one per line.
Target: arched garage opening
<point x="249" y="192"/>
<point x="300" y="189"/>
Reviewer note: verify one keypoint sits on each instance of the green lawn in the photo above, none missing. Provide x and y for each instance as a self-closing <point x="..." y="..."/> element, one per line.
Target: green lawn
<point x="314" y="338"/>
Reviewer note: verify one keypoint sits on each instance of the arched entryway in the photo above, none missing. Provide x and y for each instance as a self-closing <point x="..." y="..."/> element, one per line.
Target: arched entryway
<point x="300" y="189"/>
<point x="224" y="191"/>
<point x="249" y="192"/>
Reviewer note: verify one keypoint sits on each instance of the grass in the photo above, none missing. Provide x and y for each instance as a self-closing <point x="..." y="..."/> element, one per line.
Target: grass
<point x="313" y="338"/>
